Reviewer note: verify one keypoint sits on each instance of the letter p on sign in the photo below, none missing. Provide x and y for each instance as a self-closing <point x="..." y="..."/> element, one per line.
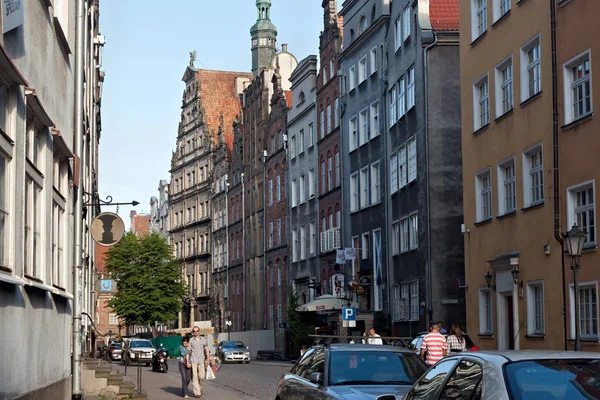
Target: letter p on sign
<point x="349" y="314"/>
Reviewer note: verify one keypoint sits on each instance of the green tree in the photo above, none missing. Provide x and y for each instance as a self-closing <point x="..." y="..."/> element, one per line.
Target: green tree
<point x="148" y="278"/>
<point x="299" y="325"/>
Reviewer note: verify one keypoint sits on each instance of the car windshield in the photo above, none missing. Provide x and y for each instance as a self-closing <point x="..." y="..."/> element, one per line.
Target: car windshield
<point x="116" y="345"/>
<point x="554" y="379"/>
<point x="374" y="368"/>
<point x="234" y="345"/>
<point x="140" y="343"/>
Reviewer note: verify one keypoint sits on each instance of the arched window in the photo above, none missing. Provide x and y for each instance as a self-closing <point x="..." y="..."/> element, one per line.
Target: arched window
<point x="373" y="14"/>
<point x="301" y="98"/>
<point x="364" y="24"/>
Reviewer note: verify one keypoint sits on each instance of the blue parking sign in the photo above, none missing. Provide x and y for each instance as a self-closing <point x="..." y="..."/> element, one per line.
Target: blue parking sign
<point x="349" y="314"/>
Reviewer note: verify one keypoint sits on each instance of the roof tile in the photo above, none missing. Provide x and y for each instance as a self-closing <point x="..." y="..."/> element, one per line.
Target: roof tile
<point x="444" y="15"/>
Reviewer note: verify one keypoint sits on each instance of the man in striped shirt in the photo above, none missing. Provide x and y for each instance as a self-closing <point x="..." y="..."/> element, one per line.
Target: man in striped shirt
<point x="434" y="345"/>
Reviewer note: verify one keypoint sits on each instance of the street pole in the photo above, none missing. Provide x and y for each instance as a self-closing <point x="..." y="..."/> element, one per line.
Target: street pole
<point x="78" y="206"/>
<point x="575" y="268"/>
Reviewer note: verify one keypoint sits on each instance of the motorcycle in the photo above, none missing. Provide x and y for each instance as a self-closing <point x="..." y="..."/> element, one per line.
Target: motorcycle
<point x="159" y="360"/>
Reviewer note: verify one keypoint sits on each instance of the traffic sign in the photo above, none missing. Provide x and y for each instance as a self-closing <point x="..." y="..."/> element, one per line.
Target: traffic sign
<point x="348" y="314"/>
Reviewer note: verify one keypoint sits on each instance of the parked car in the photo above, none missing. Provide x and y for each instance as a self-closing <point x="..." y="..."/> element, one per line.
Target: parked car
<point x="351" y="372"/>
<point x="415" y="344"/>
<point x="233" y="351"/>
<point x="114" y="351"/>
<point x="137" y="351"/>
<point x="515" y="375"/>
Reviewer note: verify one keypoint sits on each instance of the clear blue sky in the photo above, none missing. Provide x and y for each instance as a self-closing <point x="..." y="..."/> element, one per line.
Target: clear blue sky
<point x="146" y="53"/>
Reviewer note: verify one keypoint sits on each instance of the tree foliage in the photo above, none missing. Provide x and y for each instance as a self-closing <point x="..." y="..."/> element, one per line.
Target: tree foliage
<point x="148" y="278"/>
<point x="299" y="324"/>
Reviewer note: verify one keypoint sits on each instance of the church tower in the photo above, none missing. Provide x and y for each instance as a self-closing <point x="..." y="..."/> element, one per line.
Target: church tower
<point x="263" y="34"/>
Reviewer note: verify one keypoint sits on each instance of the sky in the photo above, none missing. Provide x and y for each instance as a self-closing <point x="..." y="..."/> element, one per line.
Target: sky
<point x="146" y="53"/>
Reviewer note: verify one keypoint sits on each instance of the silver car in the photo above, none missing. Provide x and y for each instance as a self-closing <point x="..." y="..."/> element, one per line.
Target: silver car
<point x="137" y="351"/>
<point x="233" y="351"/>
<point x="514" y="375"/>
<point x="351" y="372"/>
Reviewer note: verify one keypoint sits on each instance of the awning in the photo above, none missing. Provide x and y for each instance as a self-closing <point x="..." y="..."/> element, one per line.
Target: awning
<point x="327" y="302"/>
<point x="60" y="144"/>
<point x="38" y="111"/>
<point x="9" y="74"/>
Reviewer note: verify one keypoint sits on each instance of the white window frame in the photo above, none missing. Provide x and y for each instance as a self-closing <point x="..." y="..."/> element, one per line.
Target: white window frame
<point x="406" y="28"/>
<point x="411" y="147"/>
<point x="353" y="129"/>
<point x="481" y="102"/>
<point x="336" y="112"/>
<point x="294" y="245"/>
<point x="373" y="61"/>
<point x="500" y="9"/>
<point x="531" y="70"/>
<point x="294" y="194"/>
<point x="392" y="94"/>
<point x="364" y="187"/>
<point x="278" y="188"/>
<point x="401" y="98"/>
<point x="582" y="301"/>
<point x="322" y="123"/>
<point x="351" y="78"/>
<point x="478" y="18"/>
<point x="402" y="167"/>
<point x="329" y="173"/>
<point x="483" y="195"/>
<point x="375" y="183"/>
<point x="300" y="141"/>
<point x="573" y="210"/>
<point x="279" y="241"/>
<point x="504" y="86"/>
<point x="398" y="33"/>
<point x="533" y="175"/>
<point x="293" y="146"/>
<point x="329" y="119"/>
<point x="414" y="300"/>
<point x="365" y="246"/>
<point x="486" y="312"/>
<point x="363" y="126"/>
<point x="354" y="188"/>
<point x="270" y="191"/>
<point x="374" y="119"/>
<point x="394" y="173"/>
<point x="302" y="242"/>
<point x="404" y="239"/>
<point x="312" y="239"/>
<point x="302" y="189"/>
<point x="311" y="184"/>
<point x="396" y="238"/>
<point x="34" y="202"/>
<point x="338" y="169"/>
<point x="410" y="88"/>
<point x="6" y="202"/>
<point x="535" y="308"/>
<point x="571" y="84"/>
<point x="311" y="137"/>
<point x="507" y="186"/>
<point x="362" y="70"/>
<point x="113" y="319"/>
<point x="271" y="233"/>
<point x="413" y="227"/>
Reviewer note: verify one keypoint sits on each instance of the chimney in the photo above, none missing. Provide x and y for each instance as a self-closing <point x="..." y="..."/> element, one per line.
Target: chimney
<point x="284" y="48"/>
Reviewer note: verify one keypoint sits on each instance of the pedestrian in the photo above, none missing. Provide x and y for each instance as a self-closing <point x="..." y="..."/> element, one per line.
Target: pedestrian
<point x="374" y="338"/>
<point x="443" y="330"/>
<point x="199" y="358"/>
<point x="184" y="361"/>
<point x="433" y="348"/>
<point x="455" y="341"/>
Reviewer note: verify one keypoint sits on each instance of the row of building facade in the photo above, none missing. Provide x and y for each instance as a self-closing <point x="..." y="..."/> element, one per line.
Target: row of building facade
<point x="401" y="141"/>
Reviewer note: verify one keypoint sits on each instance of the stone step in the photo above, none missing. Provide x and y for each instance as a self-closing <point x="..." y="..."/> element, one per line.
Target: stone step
<point x="115" y="379"/>
<point x="103" y="372"/>
<point x="90" y="363"/>
<point x="126" y="387"/>
<point x="133" y="396"/>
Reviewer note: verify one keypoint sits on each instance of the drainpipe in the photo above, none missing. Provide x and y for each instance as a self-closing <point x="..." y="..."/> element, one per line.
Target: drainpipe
<point x="556" y="164"/>
<point x="228" y="302"/>
<point x="78" y="206"/>
<point x="428" y="201"/>
<point x="243" y="251"/>
<point x="264" y="237"/>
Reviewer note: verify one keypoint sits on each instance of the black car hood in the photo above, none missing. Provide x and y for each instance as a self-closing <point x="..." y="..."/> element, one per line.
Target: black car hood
<point x="363" y="392"/>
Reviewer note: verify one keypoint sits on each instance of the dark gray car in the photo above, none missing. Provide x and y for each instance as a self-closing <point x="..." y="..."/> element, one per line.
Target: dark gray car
<point x="514" y="375"/>
<point x="351" y="372"/>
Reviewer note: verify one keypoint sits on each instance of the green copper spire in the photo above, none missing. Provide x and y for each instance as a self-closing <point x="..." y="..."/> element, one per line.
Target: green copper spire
<point x="264" y="37"/>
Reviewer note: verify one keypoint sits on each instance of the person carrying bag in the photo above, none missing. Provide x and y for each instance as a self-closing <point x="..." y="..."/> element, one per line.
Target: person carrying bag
<point x="456" y="341"/>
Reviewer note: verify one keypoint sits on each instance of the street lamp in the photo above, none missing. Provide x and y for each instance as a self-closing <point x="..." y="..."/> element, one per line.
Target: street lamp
<point x="574" y="240"/>
<point x="488" y="280"/>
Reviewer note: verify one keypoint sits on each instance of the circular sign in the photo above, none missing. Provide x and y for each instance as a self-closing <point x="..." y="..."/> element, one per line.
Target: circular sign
<point x="107" y="229"/>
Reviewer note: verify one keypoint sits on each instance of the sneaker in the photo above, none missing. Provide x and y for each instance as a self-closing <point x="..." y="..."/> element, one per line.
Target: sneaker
<point x="186" y="396"/>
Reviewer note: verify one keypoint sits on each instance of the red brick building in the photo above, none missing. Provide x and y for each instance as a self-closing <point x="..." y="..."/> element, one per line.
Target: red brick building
<point x="106" y="320"/>
<point x="140" y="223"/>
<point x="328" y="131"/>
<point x="276" y="212"/>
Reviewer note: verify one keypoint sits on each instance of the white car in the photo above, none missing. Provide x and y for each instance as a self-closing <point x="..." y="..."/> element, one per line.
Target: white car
<point x="137" y="351"/>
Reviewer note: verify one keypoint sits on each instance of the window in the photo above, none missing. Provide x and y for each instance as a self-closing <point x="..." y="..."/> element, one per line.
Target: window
<point x="581" y="209"/>
<point x="486" y="322"/>
<point x="410" y="88"/>
<point x="465" y="382"/>
<point x="302" y="242"/>
<point x="294" y="194"/>
<point x="329" y="173"/>
<point x="507" y="197"/>
<point x="401" y="98"/>
<point x="272" y="316"/>
<point x="364" y="187"/>
<point x="578" y="93"/>
<point x="336" y="112"/>
<point x="329" y="119"/>
<point x="58" y="242"/>
<point x="375" y="182"/>
<point x="353" y="134"/>
<point x="406" y="24"/>
<point x="504" y="87"/>
<point x="323" y="182"/>
<point x="393" y="173"/>
<point x="301" y="98"/>
<point x="332" y="71"/>
<point x="402" y="166"/>
<point x="32" y="228"/>
<point x="483" y="201"/>
<point x="533" y="176"/>
<point x="478" y="18"/>
<point x="535" y="308"/>
<point x="270" y="193"/>
<point x="373" y="61"/>
<point x="414" y="231"/>
<point x="113" y="319"/>
<point x="501" y="7"/>
<point x="278" y="188"/>
<point x="392" y="109"/>
<point x="363" y="127"/>
<point x="352" y="78"/>
<point x="311" y="184"/>
<point x="302" y="190"/>
<point x="364" y="24"/>
<point x="588" y="310"/>
<point x="4" y="189"/>
<point x="322" y="123"/>
<point x="294" y="245"/>
<point x="311" y="137"/>
<point x="412" y="160"/>
<point x="404" y="234"/>
<point x="325" y="77"/>
<point x="396" y="307"/>
<point x="396" y="238"/>
<point x="404" y="302"/>
<point x="398" y="31"/>
<point x="312" y="238"/>
<point x="362" y="70"/>
<point x="531" y="69"/>
<point x="481" y="103"/>
<point x="365" y="246"/>
<point x="279" y="242"/>
<point x="374" y="120"/>
<point x="293" y="146"/>
<point x="354" y="192"/>
<point x="338" y="169"/>
<point x="338" y="218"/>
<point x="414" y="301"/>
<point x="301" y="141"/>
<point x="61" y="13"/>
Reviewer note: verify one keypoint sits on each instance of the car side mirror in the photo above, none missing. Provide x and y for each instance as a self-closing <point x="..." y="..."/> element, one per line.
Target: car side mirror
<point x="247" y="348"/>
<point x="386" y="397"/>
<point x="316" y="377"/>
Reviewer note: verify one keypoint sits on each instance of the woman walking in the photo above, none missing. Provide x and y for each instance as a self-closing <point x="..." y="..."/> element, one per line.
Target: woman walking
<point x="456" y="341"/>
<point x="184" y="370"/>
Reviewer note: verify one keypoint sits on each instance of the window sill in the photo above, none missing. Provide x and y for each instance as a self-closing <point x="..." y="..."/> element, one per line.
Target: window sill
<point x="478" y="38"/>
<point x="483" y="128"/>
<point x="505" y="115"/>
<point x="483" y="222"/>
<point x="562" y="3"/>
<point x="586" y="340"/>
<point x="533" y="206"/>
<point x="508" y="214"/>
<point x="590" y="247"/>
<point x="486" y="335"/>
<point x="541" y="336"/>
<point x="578" y="121"/>
<point x="531" y="99"/>
<point x="12" y="279"/>
<point x="62" y="293"/>
<point x="34" y="282"/>
<point x="502" y="18"/>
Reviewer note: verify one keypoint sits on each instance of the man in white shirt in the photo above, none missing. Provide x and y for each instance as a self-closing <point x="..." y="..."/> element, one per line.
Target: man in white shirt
<point x="199" y="358"/>
<point x="374" y="338"/>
